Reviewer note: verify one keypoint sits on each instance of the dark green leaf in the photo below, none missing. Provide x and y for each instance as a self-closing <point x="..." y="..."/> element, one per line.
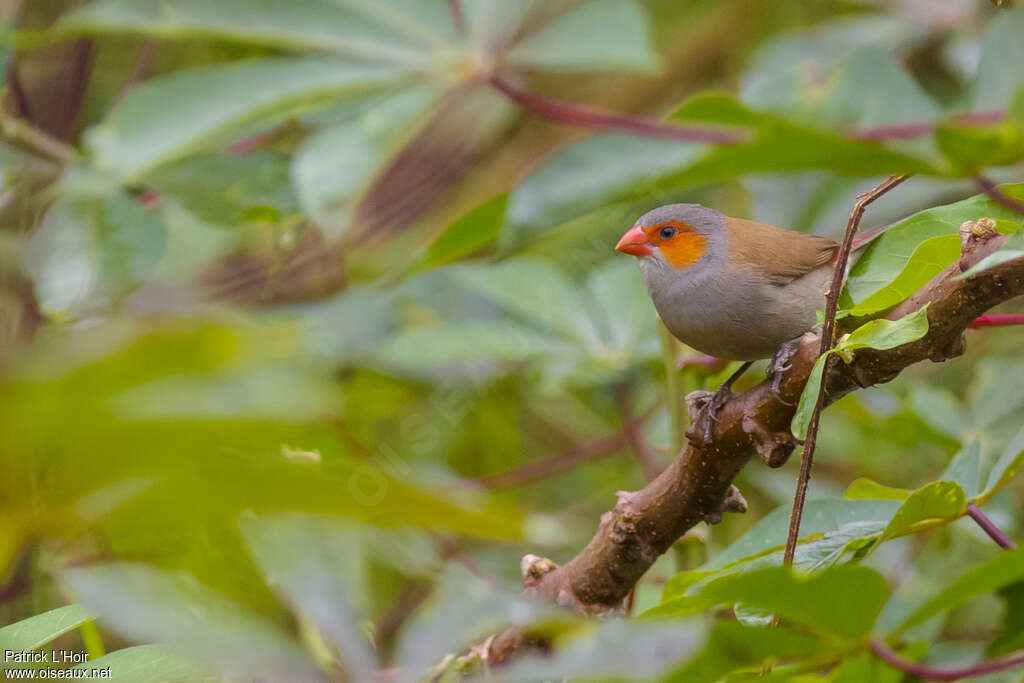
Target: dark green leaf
<point x="994" y="84"/>
<point x="476" y="230"/>
<point x="1012" y="635"/>
<point x="843" y="600"/>
<point x="733" y="646"/>
<point x="1004" y="569"/>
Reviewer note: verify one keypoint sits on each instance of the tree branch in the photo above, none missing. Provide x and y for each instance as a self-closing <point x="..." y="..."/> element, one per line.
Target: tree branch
<point x="697" y="486"/>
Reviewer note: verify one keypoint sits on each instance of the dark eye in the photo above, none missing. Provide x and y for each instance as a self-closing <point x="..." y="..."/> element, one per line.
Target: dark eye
<point x="667" y="233"/>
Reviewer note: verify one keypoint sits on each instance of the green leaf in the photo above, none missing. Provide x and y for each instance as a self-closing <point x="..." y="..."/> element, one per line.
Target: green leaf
<point x="1004" y="569"/>
<point x="210" y="104"/>
<point x="536" y="289"/>
<point x="820" y="517"/>
<point x="62" y="258"/>
<point x="34" y="632"/>
<point x="808" y="399"/>
<point x="459" y="342"/>
<point x="888" y="255"/>
<point x="781" y="146"/>
<point x="733" y="646"/>
<point x="143" y="603"/>
<point x="965" y="469"/>
<point x="871" y="490"/>
<point x="301" y="557"/>
<point x="994" y="84"/>
<point x="600" y="34"/>
<point x="225" y="190"/>
<point x="863" y="667"/>
<point x="937" y="500"/>
<point x="476" y="230"/>
<point x="336" y="166"/>
<point x="973" y="148"/>
<point x="589" y="174"/>
<point x="875" y="334"/>
<point x="350" y="28"/>
<point x="149" y="663"/>
<point x="939" y="408"/>
<point x="843" y="600"/>
<point x="1011" y="250"/>
<point x="929" y="258"/>
<point x="887" y="334"/>
<point x="1005" y="468"/>
<point x="1011" y="636"/>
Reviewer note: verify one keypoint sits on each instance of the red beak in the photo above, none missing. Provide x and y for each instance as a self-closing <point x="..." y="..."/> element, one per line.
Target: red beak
<point x="634" y="242"/>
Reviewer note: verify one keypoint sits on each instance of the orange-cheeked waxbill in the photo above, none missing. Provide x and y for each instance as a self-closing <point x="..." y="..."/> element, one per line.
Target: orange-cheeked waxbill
<point x="730" y="287"/>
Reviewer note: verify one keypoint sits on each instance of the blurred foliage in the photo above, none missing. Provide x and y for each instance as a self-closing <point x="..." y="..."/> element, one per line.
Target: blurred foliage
<point x="282" y="282"/>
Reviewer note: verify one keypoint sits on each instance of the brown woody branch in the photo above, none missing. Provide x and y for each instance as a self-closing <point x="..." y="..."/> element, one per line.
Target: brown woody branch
<point x="697" y="486"/>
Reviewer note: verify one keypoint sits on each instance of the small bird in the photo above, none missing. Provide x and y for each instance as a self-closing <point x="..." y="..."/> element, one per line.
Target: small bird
<point x="730" y="287"/>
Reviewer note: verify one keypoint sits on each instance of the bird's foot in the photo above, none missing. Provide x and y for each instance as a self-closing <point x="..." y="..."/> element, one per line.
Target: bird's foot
<point x="779" y="365"/>
<point x="703" y="407"/>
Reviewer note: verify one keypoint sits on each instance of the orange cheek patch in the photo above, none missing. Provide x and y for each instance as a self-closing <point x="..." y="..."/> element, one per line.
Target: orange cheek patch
<point x="683" y="250"/>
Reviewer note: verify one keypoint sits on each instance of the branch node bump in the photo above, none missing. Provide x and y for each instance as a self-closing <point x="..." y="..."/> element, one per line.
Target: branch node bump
<point x="733" y="502"/>
<point x="773" y="447"/>
<point x="534" y="567"/>
<point x="974" y="233"/>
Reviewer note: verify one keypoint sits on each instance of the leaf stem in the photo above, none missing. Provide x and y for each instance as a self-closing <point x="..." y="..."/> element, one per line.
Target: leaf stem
<point x="587" y="116"/>
<point x="992" y="190"/>
<point x="828" y="334"/>
<point x="20" y="131"/>
<point x="990" y="528"/>
<point x="929" y="673"/>
<point x="997" y="320"/>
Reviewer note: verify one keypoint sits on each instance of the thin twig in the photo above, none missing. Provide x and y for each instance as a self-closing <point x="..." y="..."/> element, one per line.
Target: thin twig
<point x="828" y="334"/>
<point x="595" y="118"/>
<point x="455" y="9"/>
<point x="997" y="195"/>
<point x="929" y="673"/>
<point x="633" y="430"/>
<point x="560" y="462"/>
<point x="997" y="320"/>
<point x="990" y="528"/>
<point x="140" y="70"/>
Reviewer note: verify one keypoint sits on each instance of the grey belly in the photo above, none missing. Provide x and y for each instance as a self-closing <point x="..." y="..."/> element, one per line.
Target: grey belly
<point x="743" y="322"/>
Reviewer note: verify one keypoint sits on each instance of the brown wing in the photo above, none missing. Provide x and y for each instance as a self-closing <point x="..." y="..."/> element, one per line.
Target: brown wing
<point x="781" y="256"/>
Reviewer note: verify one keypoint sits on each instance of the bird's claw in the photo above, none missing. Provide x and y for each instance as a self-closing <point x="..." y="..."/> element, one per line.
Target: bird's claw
<point x="704" y="407"/>
<point x="779" y="365"/>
